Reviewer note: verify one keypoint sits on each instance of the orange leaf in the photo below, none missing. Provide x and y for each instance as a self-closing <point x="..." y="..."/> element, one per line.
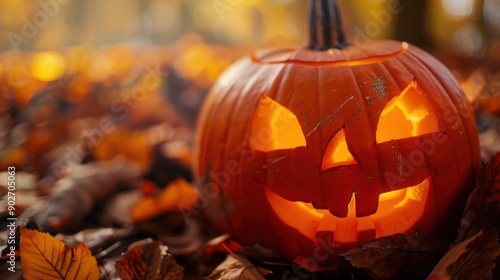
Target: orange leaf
<point x="46" y="257"/>
<point x="134" y="146"/>
<point x="177" y="195"/>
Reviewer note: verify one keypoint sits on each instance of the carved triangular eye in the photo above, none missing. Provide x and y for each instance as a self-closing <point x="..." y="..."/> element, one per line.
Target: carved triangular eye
<point x="408" y="115"/>
<point x="337" y="153"/>
<point x="274" y="127"/>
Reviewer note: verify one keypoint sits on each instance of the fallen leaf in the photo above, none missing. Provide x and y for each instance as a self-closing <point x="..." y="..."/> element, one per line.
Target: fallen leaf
<point x="149" y="188"/>
<point x="97" y="238"/>
<point x="236" y="268"/>
<point x="473" y="258"/>
<point x="44" y="256"/>
<point x="133" y="145"/>
<point x="148" y="260"/>
<point x="108" y="270"/>
<point x="489" y="136"/>
<point x="395" y="255"/>
<point x="166" y="166"/>
<point x="482" y="211"/>
<point x="221" y="244"/>
<point x="179" y="150"/>
<point x="74" y="196"/>
<point x="182" y="243"/>
<point x="177" y="195"/>
<point x="169" y="269"/>
<point x="116" y="212"/>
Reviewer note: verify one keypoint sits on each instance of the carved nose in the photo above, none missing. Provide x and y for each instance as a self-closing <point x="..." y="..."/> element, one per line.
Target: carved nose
<point x="347" y="192"/>
<point x="337" y="153"/>
<point x="355" y="205"/>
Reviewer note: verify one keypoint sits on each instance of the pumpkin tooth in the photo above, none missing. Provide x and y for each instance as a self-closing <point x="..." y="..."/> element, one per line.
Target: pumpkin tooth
<point x="338" y="202"/>
<point x="326" y="229"/>
<point x="366" y="203"/>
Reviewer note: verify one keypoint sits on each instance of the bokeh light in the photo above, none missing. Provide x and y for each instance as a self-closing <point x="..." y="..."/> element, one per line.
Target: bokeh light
<point x="492" y="12"/>
<point x="458" y="8"/>
<point x="47" y="66"/>
<point x="469" y="41"/>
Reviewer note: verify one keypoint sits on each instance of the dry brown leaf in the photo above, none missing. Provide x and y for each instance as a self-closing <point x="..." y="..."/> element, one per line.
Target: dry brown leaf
<point x="395" y="255"/>
<point x="165" y="168"/>
<point x="169" y="269"/>
<point x="177" y="195"/>
<point x="475" y="253"/>
<point x="46" y="257"/>
<point x="482" y="212"/>
<point x="236" y="268"/>
<point x="96" y="238"/>
<point x="179" y="150"/>
<point x="472" y="259"/>
<point x="221" y="244"/>
<point x="148" y="260"/>
<point x="75" y="196"/>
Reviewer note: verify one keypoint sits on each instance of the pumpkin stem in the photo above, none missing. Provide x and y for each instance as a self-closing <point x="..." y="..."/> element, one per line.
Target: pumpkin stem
<point x="325" y="26"/>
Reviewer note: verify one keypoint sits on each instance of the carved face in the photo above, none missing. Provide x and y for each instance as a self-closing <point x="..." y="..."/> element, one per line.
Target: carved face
<point x="350" y="144"/>
<point x="397" y="209"/>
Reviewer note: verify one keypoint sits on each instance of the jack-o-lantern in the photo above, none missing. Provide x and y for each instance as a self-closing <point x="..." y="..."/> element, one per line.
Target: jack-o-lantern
<point x="314" y="150"/>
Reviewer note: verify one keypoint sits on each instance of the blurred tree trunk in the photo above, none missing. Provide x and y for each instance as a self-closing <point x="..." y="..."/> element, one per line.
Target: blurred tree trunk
<point x="411" y="23"/>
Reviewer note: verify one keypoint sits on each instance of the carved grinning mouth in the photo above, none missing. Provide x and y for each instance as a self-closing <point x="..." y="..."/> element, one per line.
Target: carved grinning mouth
<point x="398" y="211"/>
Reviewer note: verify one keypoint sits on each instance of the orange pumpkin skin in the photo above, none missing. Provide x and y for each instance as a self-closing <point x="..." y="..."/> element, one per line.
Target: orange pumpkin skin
<point x="329" y="91"/>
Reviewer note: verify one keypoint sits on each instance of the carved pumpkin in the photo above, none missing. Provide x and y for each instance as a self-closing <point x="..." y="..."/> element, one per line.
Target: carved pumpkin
<point x="311" y="151"/>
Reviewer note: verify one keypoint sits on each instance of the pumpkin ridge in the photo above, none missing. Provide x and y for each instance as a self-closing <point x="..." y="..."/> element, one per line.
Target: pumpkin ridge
<point x="319" y="83"/>
<point x="325" y="119"/>
<point x="362" y="102"/>
<point x="208" y="130"/>
<point x="279" y="84"/>
<point x="457" y="163"/>
<point x="451" y="99"/>
<point x="456" y="102"/>
<point x="227" y="94"/>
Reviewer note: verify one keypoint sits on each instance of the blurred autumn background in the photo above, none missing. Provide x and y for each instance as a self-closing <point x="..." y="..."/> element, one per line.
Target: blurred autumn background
<point x="86" y="81"/>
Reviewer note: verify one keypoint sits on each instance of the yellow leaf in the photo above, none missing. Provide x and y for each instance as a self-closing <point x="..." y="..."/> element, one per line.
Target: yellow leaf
<point x="46" y="257"/>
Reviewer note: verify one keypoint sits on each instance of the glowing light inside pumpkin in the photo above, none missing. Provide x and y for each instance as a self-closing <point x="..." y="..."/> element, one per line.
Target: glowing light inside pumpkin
<point x="337" y="153"/>
<point x="398" y="211"/>
<point x="408" y="115"/>
<point x="274" y="127"/>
